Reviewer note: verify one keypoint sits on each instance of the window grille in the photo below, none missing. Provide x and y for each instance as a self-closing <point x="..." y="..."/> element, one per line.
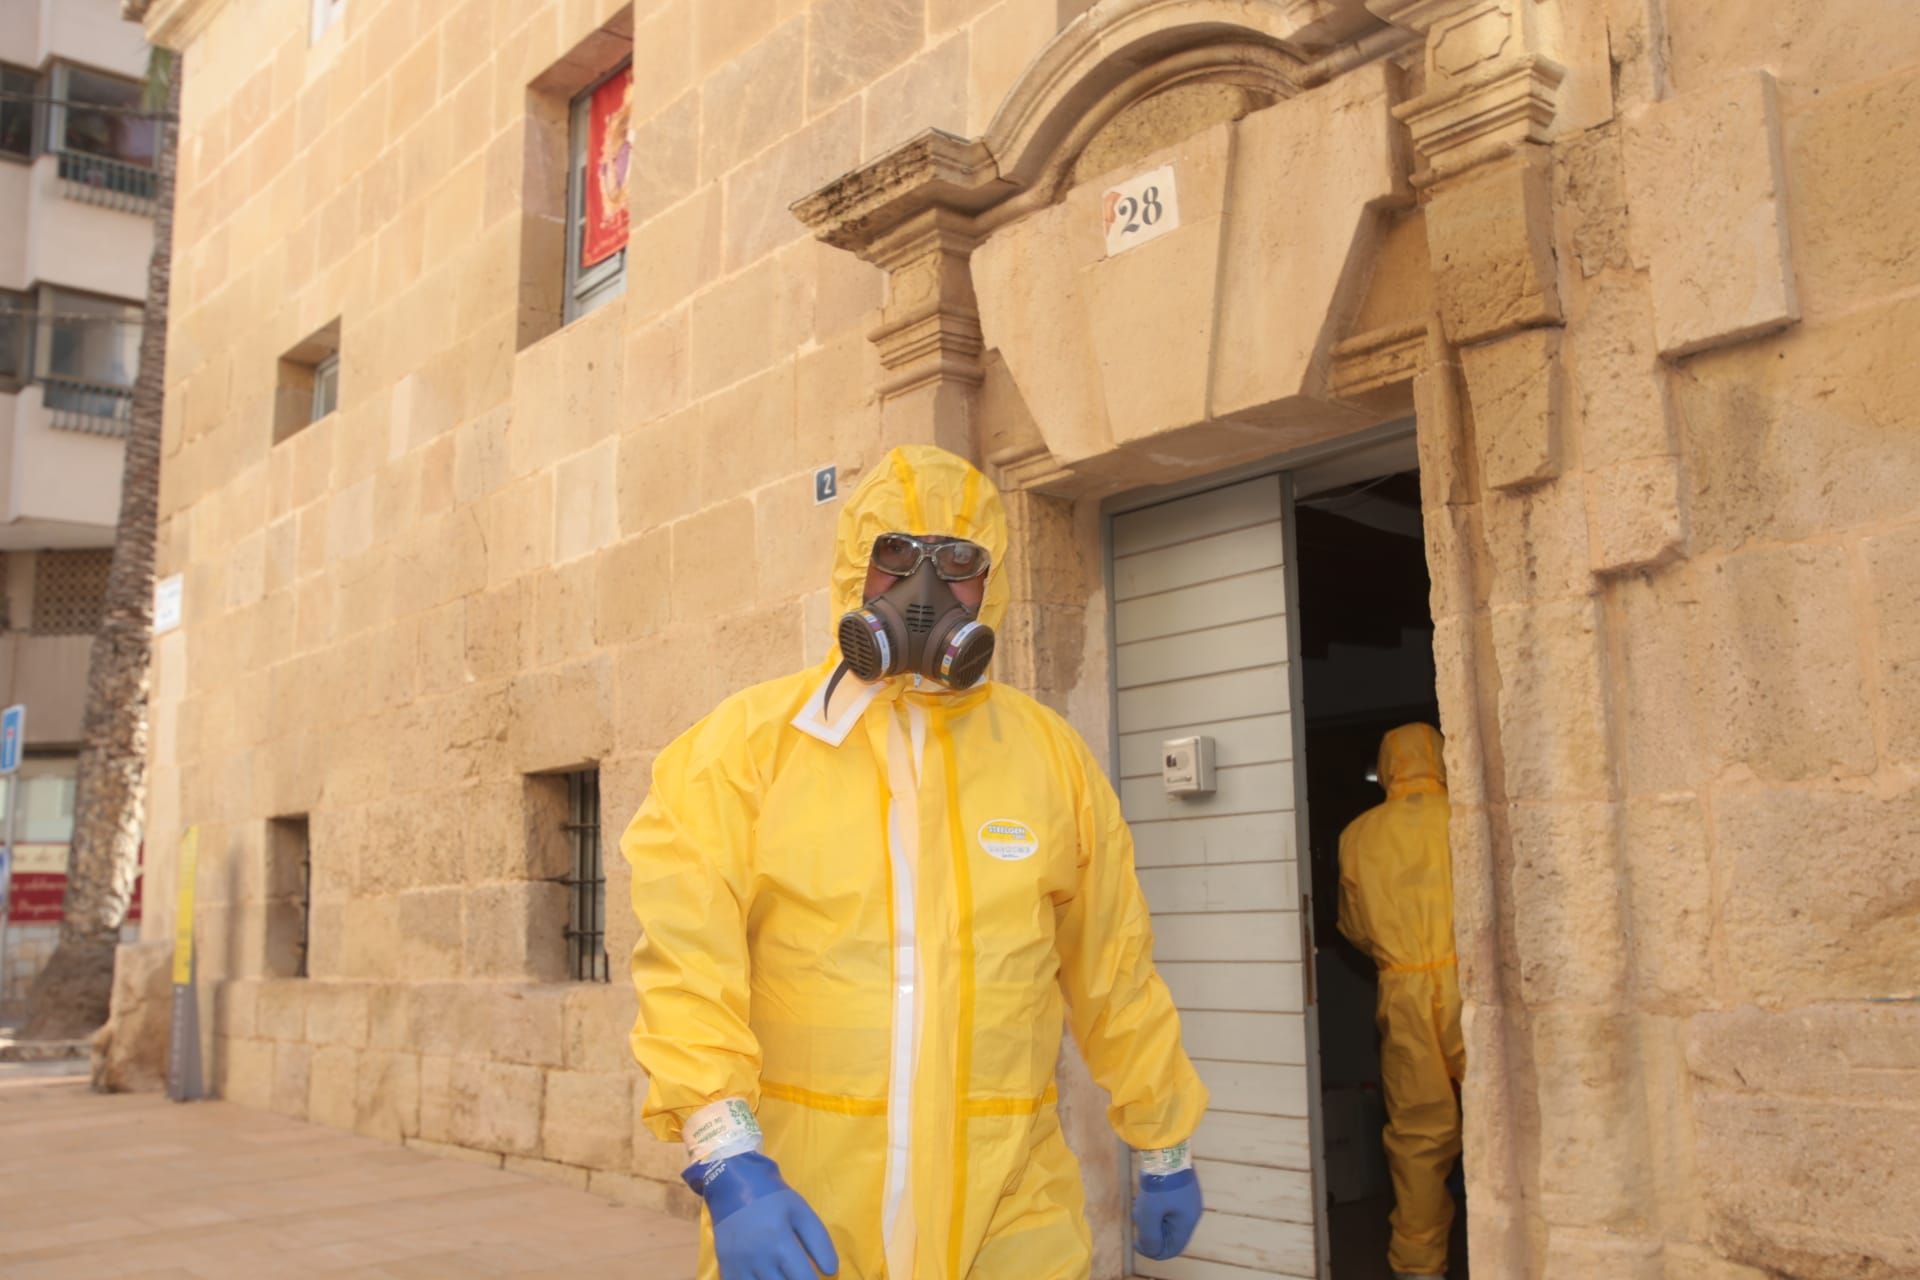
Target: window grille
<point x="70" y="591"/>
<point x="110" y="183"/>
<point x="305" y="908"/>
<point x="587" y="920"/>
<point x="289" y="905"/>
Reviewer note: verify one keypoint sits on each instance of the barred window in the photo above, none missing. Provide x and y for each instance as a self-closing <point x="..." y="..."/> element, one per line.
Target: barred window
<point x="70" y="591"/>
<point x="587" y="920"/>
<point x="308" y="385"/>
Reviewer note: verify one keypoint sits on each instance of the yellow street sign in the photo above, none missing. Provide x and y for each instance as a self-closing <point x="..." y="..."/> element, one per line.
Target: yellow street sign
<point x="183" y="909"/>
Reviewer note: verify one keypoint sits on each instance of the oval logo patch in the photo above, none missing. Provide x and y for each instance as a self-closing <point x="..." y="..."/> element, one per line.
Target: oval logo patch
<point x="1007" y="840"/>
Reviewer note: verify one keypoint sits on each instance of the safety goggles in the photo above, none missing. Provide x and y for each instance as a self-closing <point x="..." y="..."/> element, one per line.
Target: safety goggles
<point x="954" y="559"/>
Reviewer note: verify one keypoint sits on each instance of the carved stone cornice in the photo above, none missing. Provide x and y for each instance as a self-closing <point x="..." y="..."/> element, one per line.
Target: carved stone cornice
<point x="1492" y="79"/>
<point x="1484" y="115"/>
<point x="934" y="170"/>
<point x="175" y="24"/>
<point x="1378" y="358"/>
<point x="1028" y="467"/>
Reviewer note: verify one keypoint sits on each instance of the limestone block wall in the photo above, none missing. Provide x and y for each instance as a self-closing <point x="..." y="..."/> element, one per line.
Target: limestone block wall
<point x="515" y="547"/>
<point x="1665" y="414"/>
<point x="1668" y="447"/>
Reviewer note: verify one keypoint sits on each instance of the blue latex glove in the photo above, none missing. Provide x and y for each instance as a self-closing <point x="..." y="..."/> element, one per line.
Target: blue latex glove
<point x="762" y="1229"/>
<point x="1165" y="1213"/>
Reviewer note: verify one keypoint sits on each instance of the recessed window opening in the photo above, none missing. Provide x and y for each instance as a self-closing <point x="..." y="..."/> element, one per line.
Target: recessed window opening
<point x="309" y="382"/>
<point x="599" y="156"/>
<point x="587" y="920"/>
<point x="289" y="904"/>
<point x="573" y="227"/>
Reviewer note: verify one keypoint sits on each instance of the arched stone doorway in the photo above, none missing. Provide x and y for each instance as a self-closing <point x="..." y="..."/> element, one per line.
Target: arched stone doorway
<point x="1364" y="234"/>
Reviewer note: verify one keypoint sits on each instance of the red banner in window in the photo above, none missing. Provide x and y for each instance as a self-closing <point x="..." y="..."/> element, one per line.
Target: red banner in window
<point x="39" y="884"/>
<point x="609" y="156"/>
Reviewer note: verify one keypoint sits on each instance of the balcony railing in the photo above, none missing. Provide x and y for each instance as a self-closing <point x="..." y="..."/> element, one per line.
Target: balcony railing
<point x="114" y="184"/>
<point x="95" y="408"/>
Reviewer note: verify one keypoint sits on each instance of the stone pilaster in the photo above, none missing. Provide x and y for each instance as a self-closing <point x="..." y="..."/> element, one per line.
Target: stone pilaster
<point x="1521" y="646"/>
<point x="928" y="337"/>
<point x="911" y="212"/>
<point x="1491" y="82"/>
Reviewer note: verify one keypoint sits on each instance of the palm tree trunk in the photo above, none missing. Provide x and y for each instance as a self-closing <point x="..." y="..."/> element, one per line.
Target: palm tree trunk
<point x="70" y="997"/>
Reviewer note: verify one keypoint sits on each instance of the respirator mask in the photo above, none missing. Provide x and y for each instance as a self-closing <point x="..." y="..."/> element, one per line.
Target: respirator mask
<point x="918" y="626"/>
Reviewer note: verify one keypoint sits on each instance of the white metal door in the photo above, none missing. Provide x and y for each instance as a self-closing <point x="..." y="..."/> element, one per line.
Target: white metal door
<point x="1201" y="647"/>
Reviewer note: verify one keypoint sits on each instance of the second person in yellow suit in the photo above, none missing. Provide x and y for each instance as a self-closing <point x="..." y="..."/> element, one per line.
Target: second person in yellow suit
<point x="865" y="922"/>
<point x="1396" y="904"/>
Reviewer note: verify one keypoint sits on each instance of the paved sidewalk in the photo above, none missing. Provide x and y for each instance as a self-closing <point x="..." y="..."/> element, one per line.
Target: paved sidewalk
<point x="136" y="1187"/>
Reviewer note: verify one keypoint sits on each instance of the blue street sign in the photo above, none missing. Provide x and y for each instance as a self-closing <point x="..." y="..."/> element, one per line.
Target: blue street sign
<point x="13" y="735"/>
<point x="826" y="485"/>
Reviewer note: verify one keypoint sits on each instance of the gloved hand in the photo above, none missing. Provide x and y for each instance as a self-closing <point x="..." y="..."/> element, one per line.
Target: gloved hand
<point x="762" y="1229"/>
<point x="1165" y="1213"/>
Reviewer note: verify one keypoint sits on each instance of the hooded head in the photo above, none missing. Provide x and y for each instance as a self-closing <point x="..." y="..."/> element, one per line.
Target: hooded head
<point x="1410" y="760"/>
<point x="920" y="489"/>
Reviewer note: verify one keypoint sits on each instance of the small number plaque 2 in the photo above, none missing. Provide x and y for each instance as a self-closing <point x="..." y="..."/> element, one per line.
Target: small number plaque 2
<point x="1140" y="209"/>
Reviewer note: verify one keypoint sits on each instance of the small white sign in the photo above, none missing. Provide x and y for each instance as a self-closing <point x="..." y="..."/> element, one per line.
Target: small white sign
<point x="1140" y="209"/>
<point x="167" y="595"/>
<point x="40" y="859"/>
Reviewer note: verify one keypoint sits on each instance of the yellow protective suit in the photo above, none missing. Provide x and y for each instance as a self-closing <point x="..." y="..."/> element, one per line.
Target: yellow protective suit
<point x="1396" y="904"/>
<point x="863" y="919"/>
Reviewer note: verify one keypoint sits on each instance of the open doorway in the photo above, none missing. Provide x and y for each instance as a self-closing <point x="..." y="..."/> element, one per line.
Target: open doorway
<point x="1366" y="666"/>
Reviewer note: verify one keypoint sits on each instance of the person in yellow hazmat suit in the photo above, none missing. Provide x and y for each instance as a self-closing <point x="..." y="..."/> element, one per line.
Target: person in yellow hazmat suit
<point x="1396" y="904"/>
<point x="870" y="895"/>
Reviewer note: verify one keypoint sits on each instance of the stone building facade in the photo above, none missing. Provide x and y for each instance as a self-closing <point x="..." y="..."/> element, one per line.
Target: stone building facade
<point x="1633" y="278"/>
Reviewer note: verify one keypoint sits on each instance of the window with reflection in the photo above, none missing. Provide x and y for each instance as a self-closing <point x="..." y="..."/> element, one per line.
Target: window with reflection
<point x="88" y="352"/>
<point x="18" y="86"/>
<point x="16" y="325"/>
<point x="101" y="116"/>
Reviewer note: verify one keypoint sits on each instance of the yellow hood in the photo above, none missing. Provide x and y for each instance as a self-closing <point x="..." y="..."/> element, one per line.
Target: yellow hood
<point x="918" y="488"/>
<point x="1409" y="756"/>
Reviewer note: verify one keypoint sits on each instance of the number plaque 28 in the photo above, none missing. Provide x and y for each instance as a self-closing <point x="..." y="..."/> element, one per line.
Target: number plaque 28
<point x="1140" y="209"/>
<point x="1141" y="212"/>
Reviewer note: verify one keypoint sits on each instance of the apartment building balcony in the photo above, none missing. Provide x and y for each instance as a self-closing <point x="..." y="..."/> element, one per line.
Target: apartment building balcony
<point x="107" y="182"/>
<point x="61" y="454"/>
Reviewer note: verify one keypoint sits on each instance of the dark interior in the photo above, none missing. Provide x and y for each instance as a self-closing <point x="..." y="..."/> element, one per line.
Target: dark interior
<point x="1366" y="651"/>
